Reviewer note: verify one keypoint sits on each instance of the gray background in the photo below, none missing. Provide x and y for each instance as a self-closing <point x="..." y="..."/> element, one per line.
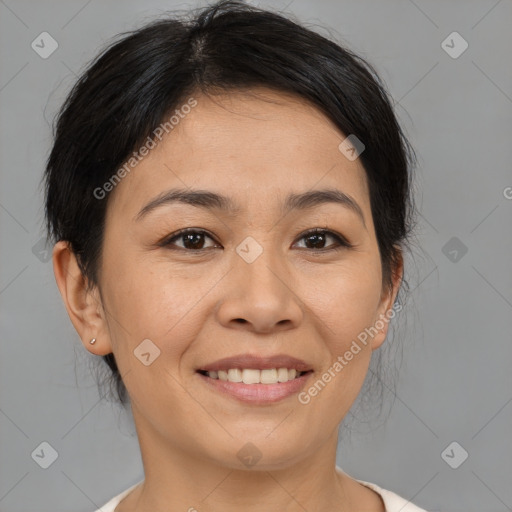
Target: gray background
<point x="455" y="382"/>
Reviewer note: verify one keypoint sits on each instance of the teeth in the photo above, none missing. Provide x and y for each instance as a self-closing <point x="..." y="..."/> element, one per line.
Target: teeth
<point x="268" y="376"/>
<point x="250" y="376"/>
<point x="235" y="375"/>
<point x="282" y="375"/>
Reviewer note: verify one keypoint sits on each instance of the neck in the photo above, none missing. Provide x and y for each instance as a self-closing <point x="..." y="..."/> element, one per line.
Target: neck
<point x="177" y="478"/>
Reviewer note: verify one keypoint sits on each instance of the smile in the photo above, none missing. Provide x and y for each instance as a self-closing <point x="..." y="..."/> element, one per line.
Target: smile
<point x="257" y="387"/>
<point x="252" y="376"/>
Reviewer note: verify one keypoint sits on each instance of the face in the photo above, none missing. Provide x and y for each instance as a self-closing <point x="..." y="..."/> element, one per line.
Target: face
<point x="250" y="282"/>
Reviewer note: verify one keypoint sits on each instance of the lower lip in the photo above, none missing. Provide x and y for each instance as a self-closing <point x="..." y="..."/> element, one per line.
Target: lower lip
<point x="257" y="393"/>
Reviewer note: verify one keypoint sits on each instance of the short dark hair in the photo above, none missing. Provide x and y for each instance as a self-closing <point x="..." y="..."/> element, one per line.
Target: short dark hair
<point x="131" y="87"/>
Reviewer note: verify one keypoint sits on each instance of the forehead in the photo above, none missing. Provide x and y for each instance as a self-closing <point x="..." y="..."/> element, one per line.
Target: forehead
<point x="255" y="146"/>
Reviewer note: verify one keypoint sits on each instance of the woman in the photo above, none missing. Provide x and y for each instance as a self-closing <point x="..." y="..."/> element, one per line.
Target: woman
<point x="230" y="200"/>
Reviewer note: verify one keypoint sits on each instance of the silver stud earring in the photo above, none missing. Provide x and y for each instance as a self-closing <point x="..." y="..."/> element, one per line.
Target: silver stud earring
<point x="92" y="341"/>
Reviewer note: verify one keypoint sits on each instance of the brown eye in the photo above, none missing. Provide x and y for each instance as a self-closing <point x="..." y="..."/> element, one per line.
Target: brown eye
<point x="317" y="240"/>
<point x="196" y="240"/>
<point x="193" y="240"/>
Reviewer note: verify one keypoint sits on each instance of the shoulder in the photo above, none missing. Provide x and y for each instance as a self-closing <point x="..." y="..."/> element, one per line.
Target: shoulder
<point x="113" y="502"/>
<point x="392" y="501"/>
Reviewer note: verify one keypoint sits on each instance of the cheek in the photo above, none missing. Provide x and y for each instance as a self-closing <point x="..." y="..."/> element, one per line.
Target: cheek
<point x="149" y="299"/>
<point x="345" y="301"/>
<point x="344" y="308"/>
<point x="150" y="313"/>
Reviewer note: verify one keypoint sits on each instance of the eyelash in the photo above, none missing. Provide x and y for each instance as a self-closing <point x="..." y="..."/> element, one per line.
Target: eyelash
<point x="343" y="243"/>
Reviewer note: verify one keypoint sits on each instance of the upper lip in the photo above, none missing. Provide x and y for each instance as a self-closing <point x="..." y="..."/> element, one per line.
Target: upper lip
<point x="249" y="361"/>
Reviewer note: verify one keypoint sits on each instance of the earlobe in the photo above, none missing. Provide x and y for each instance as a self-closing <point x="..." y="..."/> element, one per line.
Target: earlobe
<point x="83" y="306"/>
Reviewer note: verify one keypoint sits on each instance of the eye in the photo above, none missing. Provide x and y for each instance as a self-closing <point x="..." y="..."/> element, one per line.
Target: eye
<point x="192" y="239"/>
<point x="317" y="238"/>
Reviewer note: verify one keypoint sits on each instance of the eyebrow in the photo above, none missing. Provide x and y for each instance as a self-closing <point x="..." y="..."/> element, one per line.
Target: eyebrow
<point x="213" y="201"/>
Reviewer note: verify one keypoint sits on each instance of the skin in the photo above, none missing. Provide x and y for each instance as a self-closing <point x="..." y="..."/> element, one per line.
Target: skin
<point x="295" y="298"/>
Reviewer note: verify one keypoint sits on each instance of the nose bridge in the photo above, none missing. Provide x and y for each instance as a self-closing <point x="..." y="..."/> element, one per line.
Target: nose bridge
<point x="261" y="267"/>
<point x="258" y="292"/>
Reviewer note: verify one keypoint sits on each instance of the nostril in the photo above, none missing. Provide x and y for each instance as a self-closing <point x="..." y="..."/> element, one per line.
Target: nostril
<point x="240" y="320"/>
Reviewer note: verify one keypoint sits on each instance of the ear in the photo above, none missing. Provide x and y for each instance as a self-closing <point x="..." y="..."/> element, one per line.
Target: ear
<point x="385" y="311"/>
<point x="84" y="307"/>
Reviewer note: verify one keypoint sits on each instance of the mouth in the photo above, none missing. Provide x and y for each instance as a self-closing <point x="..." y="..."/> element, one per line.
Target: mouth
<point x="254" y="379"/>
<point x="251" y="389"/>
<point x="254" y="376"/>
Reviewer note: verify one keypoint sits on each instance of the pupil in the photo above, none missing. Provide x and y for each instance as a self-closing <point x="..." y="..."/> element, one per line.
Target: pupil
<point x="194" y="238"/>
<point x="320" y="239"/>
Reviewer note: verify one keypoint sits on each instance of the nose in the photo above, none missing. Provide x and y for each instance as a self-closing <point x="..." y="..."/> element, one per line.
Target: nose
<point x="259" y="298"/>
